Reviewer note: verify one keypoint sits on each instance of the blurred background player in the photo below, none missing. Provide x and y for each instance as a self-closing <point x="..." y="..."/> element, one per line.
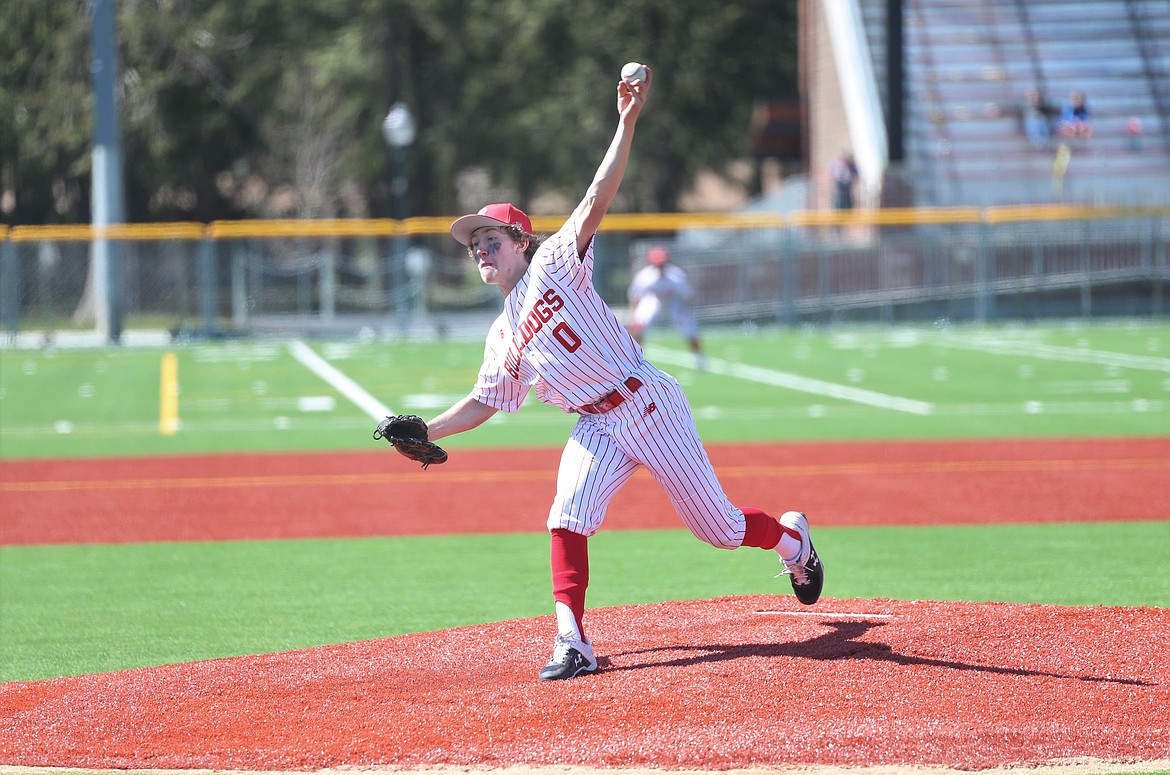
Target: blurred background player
<point x="659" y="287"/>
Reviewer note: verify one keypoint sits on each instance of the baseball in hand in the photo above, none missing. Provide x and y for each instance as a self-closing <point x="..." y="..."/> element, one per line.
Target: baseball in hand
<point x="632" y="71"/>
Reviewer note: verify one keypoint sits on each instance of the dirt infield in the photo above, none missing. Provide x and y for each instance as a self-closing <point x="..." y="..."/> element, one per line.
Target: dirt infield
<point x="744" y="683"/>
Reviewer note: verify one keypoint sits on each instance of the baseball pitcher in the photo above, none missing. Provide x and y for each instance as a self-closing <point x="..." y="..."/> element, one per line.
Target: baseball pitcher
<point x="555" y="334"/>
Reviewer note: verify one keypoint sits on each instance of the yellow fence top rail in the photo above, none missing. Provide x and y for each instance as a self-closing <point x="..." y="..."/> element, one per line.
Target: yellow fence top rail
<point x="116" y="231"/>
<point x="80" y="232"/>
<point x="338" y="227"/>
<point x="614" y="222"/>
<point x="890" y="216"/>
<point x="155" y="231"/>
<point x="644" y="222"/>
<point x="1017" y="213"/>
<point x="428" y="225"/>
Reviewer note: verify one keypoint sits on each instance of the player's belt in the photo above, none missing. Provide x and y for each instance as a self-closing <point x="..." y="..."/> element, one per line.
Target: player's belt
<point x="611" y="400"/>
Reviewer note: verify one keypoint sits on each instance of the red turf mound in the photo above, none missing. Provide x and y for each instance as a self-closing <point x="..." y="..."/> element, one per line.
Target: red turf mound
<point x="733" y="682"/>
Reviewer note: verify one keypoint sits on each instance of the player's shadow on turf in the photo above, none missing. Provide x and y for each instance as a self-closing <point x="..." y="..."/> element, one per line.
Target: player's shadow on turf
<point x="841" y="643"/>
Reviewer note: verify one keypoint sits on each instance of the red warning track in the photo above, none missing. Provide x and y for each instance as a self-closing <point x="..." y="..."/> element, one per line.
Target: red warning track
<point x="378" y="493"/>
<point x="729" y="683"/>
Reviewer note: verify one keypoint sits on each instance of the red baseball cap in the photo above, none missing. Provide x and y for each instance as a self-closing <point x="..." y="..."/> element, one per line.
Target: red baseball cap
<point x="499" y="214"/>
<point x="657" y="256"/>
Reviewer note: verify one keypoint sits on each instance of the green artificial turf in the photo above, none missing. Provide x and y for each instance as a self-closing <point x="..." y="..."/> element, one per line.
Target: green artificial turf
<point x="77" y="609"/>
<point x="88" y="608"/>
<point x="1074" y="379"/>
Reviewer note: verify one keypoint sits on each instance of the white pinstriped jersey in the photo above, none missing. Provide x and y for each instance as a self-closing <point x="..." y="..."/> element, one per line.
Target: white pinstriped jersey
<point x="556" y="334"/>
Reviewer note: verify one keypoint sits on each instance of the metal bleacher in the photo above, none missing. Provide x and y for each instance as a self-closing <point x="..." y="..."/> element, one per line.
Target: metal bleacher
<point x="968" y="64"/>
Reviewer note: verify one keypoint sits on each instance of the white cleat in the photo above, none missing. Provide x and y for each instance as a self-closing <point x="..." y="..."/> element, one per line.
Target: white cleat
<point x="805" y="570"/>
<point x="570" y="658"/>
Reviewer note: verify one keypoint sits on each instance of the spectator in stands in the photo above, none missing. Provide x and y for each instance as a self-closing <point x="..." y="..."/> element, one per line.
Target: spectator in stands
<point x="1133" y="131"/>
<point x="1037" y="116"/>
<point x="1075" y="120"/>
<point x="844" y="173"/>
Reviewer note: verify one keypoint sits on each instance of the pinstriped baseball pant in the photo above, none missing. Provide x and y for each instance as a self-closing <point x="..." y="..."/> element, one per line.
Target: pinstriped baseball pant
<point x="654" y="428"/>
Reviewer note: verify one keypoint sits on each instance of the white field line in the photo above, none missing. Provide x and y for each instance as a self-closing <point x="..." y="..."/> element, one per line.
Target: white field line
<point x="783" y="379"/>
<point x="825" y="614"/>
<point x="344" y="385"/>
<point x="1054" y="353"/>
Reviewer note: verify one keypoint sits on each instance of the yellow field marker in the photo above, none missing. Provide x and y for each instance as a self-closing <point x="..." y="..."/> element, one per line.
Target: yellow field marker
<point x="168" y="398"/>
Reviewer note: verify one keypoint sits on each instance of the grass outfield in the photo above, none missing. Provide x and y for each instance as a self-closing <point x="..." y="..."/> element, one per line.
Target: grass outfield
<point x="769" y="384"/>
<point x="78" y="609"/>
<point x="67" y="610"/>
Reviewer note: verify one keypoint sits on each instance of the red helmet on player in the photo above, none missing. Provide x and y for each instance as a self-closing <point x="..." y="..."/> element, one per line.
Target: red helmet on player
<point x="657" y="256"/>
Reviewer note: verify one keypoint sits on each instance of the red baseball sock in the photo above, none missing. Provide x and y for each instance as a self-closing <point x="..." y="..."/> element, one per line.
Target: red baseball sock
<point x="760" y="529"/>
<point x="763" y="530"/>
<point x="570" y="572"/>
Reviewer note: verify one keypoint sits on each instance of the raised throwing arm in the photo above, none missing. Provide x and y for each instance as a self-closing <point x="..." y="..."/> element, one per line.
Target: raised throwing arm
<point x="631" y="98"/>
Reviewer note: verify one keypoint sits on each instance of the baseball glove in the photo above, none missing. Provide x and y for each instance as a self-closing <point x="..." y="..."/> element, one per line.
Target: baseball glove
<point x="407" y="433"/>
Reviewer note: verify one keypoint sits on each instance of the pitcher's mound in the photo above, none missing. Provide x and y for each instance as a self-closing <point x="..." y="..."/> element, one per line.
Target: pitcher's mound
<point x="730" y="683"/>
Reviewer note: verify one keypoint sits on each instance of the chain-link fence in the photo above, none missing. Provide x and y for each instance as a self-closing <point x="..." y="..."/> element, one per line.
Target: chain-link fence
<point x="400" y="277"/>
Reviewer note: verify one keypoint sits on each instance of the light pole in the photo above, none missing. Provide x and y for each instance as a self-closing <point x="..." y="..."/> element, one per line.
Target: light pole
<point x="107" y="189"/>
<point x="399" y="131"/>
